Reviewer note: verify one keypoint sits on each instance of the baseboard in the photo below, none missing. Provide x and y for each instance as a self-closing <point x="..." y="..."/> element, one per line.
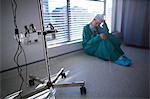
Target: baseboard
<point x="28" y="64"/>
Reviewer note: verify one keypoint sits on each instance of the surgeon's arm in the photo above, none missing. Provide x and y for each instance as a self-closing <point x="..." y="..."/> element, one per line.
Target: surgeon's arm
<point x="88" y="39"/>
<point x="105" y="27"/>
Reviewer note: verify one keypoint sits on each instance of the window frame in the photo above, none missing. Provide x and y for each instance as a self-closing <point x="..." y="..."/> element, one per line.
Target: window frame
<point x="68" y="18"/>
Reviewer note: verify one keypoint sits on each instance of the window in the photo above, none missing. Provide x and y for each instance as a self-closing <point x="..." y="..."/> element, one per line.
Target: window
<point x="69" y="17"/>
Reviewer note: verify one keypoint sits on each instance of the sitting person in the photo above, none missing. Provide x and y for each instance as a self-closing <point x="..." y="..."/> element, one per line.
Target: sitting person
<point x="97" y="41"/>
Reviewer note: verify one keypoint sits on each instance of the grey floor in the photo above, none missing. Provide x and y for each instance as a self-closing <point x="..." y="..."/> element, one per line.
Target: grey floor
<point x="104" y="80"/>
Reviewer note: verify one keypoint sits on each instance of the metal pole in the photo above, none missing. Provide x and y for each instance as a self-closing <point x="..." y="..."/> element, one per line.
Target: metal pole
<point x="104" y="7"/>
<point x="44" y="40"/>
<point x="68" y="18"/>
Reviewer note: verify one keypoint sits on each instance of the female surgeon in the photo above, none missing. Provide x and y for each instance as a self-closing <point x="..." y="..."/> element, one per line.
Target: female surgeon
<point x="97" y="41"/>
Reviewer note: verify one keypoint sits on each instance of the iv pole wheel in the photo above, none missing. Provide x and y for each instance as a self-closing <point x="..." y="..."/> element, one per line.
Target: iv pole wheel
<point x="83" y="90"/>
<point x="31" y="82"/>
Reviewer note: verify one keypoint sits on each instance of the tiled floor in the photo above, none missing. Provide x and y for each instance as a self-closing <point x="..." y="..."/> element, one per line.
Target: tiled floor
<point x="104" y="80"/>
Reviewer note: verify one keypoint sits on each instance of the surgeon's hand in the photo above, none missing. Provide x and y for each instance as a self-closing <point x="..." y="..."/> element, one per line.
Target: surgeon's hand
<point x="104" y="21"/>
<point x="103" y="36"/>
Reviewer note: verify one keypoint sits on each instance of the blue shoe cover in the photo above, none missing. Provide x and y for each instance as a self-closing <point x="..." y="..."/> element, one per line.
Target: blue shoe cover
<point x="126" y="58"/>
<point x="124" y="62"/>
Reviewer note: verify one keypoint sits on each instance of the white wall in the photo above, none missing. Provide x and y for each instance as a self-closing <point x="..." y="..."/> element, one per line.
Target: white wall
<point x="113" y="14"/>
<point x="117" y="15"/>
<point x="27" y="13"/>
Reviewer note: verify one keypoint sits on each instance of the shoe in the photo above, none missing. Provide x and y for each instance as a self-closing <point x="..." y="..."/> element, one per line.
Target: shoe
<point x="130" y="61"/>
<point x="124" y="62"/>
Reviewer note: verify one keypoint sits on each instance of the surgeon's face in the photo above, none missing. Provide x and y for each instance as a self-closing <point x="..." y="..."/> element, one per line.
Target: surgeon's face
<point x="96" y="23"/>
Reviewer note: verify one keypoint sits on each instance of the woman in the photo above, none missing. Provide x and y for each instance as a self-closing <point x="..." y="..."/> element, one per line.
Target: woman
<point x="97" y="41"/>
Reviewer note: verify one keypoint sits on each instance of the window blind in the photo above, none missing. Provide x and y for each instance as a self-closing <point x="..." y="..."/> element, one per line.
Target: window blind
<point x="55" y="12"/>
<point x="82" y="14"/>
<point x="70" y="16"/>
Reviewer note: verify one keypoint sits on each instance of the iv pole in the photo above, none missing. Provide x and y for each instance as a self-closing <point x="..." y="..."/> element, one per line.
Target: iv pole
<point x="52" y="84"/>
<point x="49" y="84"/>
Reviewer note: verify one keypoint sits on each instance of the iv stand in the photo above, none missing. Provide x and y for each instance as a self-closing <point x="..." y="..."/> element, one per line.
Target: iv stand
<point x="50" y="83"/>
